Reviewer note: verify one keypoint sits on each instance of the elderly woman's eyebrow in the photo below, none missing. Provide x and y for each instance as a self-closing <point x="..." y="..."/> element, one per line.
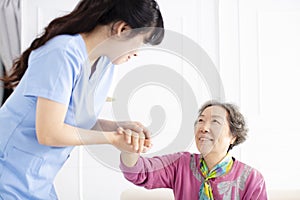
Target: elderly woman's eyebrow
<point x="218" y="116"/>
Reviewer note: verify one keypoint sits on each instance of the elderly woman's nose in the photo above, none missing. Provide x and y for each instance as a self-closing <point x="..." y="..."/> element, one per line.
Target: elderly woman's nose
<point x="204" y="128"/>
<point x="132" y="55"/>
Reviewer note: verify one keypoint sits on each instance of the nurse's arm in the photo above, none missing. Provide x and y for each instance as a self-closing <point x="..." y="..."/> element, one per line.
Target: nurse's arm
<point x="52" y="131"/>
<point x="107" y="125"/>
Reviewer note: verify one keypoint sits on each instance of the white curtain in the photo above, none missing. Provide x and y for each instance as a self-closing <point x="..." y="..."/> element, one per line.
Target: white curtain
<point x="10" y="27"/>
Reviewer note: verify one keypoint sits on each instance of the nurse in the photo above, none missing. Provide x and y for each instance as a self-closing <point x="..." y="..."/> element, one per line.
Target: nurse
<point x="61" y="82"/>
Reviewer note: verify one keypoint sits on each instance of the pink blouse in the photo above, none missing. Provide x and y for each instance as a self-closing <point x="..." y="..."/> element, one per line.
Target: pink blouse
<point x="180" y="172"/>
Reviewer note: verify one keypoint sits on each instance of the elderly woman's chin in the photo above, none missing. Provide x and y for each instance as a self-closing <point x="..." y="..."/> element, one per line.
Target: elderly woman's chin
<point x="204" y="149"/>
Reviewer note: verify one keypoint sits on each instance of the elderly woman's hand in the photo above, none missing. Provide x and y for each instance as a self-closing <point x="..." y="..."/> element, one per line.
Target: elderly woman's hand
<point x="130" y="141"/>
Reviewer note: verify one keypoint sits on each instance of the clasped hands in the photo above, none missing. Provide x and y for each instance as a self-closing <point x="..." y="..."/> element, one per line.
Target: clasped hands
<point x="132" y="137"/>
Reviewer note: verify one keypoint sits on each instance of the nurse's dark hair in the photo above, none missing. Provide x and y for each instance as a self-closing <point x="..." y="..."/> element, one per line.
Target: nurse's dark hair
<point x="85" y="17"/>
<point x="235" y="120"/>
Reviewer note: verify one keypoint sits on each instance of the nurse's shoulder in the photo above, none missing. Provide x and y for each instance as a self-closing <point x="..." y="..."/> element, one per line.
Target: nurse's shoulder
<point x="71" y="45"/>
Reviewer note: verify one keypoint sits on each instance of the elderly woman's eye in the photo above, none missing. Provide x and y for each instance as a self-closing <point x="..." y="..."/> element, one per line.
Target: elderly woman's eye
<point x="216" y="121"/>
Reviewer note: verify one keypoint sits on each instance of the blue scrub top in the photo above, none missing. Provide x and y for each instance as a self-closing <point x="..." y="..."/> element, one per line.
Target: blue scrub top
<point x="58" y="71"/>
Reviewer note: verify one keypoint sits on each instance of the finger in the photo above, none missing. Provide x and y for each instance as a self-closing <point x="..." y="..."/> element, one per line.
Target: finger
<point x="147" y="133"/>
<point x="135" y="141"/>
<point x="147" y="143"/>
<point x="128" y="134"/>
<point x="139" y="124"/>
<point x="135" y="127"/>
<point x="145" y="130"/>
<point x="120" y="130"/>
<point x="141" y="142"/>
<point x="145" y="149"/>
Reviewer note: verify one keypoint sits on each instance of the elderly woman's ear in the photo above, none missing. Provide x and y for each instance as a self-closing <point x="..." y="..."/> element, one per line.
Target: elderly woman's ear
<point x="233" y="140"/>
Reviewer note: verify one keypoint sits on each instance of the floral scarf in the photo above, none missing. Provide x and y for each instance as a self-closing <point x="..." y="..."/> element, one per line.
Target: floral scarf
<point x="220" y="169"/>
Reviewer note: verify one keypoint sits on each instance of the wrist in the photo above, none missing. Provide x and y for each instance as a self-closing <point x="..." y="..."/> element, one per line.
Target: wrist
<point x="107" y="125"/>
<point x="110" y="137"/>
<point x="129" y="154"/>
<point x="129" y="159"/>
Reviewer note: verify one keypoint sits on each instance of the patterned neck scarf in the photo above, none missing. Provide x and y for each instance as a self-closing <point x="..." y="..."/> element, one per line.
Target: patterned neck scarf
<point x="220" y="169"/>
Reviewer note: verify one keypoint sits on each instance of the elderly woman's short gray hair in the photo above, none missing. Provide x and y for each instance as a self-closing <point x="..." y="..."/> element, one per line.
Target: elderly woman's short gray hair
<point x="235" y="119"/>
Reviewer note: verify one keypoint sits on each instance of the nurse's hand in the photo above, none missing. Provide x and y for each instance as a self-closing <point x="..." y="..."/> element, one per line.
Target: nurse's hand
<point x="134" y="127"/>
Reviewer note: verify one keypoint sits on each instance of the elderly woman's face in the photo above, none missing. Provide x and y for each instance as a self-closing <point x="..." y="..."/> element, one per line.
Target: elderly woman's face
<point x="212" y="132"/>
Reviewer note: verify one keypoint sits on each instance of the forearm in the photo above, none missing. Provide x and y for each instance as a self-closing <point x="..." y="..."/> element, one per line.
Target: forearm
<point x="66" y="135"/>
<point x="129" y="159"/>
<point x="156" y="172"/>
<point x="52" y="130"/>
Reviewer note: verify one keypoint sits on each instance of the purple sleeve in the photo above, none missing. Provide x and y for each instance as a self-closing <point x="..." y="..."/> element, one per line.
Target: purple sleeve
<point x="256" y="187"/>
<point x="156" y="172"/>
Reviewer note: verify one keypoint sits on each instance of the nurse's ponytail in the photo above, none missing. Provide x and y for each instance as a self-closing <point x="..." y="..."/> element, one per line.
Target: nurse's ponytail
<point x="85" y="17"/>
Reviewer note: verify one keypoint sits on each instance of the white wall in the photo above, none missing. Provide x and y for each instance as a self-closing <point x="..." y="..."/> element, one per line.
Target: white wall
<point x="260" y="68"/>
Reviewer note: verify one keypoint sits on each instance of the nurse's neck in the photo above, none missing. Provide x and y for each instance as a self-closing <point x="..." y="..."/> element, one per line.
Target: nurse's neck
<point x="92" y="39"/>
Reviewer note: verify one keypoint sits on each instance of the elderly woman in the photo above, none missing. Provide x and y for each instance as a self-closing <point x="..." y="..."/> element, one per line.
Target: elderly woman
<point x="212" y="174"/>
